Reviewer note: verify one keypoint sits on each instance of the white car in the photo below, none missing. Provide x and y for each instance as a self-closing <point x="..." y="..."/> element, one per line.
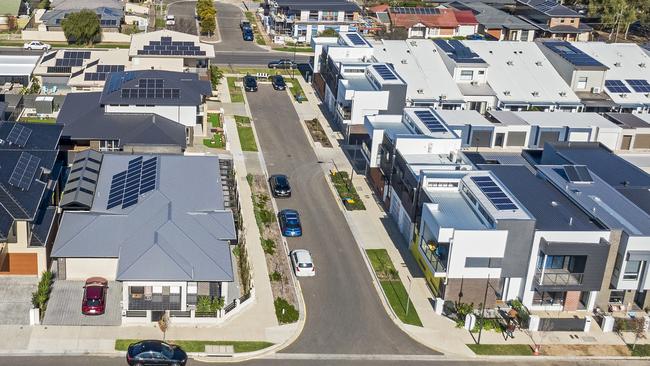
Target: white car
<point x="303" y="265"/>
<point x="36" y="45"/>
<point x="170" y="20"/>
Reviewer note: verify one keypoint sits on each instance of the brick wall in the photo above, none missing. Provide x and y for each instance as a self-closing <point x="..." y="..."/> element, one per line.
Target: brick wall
<point x="473" y="290"/>
<point x="571" y="300"/>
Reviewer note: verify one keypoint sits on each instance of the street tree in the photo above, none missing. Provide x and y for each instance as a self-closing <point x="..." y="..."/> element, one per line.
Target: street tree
<point x="82" y="27"/>
<point x="618" y="15"/>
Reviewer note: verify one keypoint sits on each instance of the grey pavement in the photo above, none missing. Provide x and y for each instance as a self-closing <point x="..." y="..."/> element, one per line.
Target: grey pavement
<point x="16" y="298"/>
<point x="228" y="17"/>
<point x="183" y="11"/>
<point x="64" y="306"/>
<point x="344" y="313"/>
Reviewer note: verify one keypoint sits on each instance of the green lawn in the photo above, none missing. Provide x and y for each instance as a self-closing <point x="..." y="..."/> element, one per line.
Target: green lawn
<point x="641" y="350"/>
<point x="346" y="191"/>
<point x="236" y="95"/>
<point x="297" y="49"/>
<point x="213" y="118"/>
<point x="37" y="120"/>
<point x="199" y="346"/>
<point x="501" y="349"/>
<point x="392" y="286"/>
<point x="215" y="142"/>
<point x="245" y="132"/>
<point x="296" y="89"/>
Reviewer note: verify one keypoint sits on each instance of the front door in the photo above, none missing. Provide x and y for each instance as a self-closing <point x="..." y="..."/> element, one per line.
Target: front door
<point x="639" y="298"/>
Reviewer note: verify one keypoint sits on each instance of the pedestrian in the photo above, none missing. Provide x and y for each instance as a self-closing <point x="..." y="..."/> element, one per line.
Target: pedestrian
<point x="510" y="328"/>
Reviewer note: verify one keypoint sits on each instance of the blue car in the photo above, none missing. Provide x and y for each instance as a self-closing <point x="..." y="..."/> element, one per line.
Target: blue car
<point x="248" y="34"/>
<point x="290" y="223"/>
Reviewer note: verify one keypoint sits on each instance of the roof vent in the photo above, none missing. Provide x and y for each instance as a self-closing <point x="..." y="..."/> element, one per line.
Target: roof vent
<point x="420" y="91"/>
<point x="570" y="221"/>
<point x="408" y="51"/>
<point x="553" y="203"/>
<point x="404" y="62"/>
<point x="623" y="95"/>
<point x="536" y="94"/>
<point x="506" y="92"/>
<point x="413" y="43"/>
<point x="474" y="82"/>
<point x="491" y="51"/>
<point x="563" y="94"/>
<point x="617" y="64"/>
<point x="538" y="63"/>
<point x="509" y="63"/>
<point x="642" y="65"/>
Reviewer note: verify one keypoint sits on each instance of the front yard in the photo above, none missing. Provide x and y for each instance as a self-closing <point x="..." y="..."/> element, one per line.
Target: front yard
<point x="199" y="346"/>
<point x="346" y="191"/>
<point x="236" y="94"/>
<point x="393" y="287"/>
<point x="218" y="140"/>
<point x="245" y="132"/>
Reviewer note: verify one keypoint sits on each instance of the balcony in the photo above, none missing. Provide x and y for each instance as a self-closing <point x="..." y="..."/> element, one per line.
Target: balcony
<point x="436" y="255"/>
<point x="344" y="111"/>
<point x="558" y="278"/>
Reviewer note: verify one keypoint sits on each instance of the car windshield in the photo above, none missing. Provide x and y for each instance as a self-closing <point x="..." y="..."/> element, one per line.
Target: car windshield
<point x="250" y="80"/>
<point x="281" y="182"/>
<point x="161" y="348"/>
<point x="305" y="265"/>
<point x="292" y="221"/>
<point x="93" y="302"/>
<point x="279" y="80"/>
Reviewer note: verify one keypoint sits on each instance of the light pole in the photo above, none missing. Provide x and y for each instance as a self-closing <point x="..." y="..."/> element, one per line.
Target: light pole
<point x="480" y="329"/>
<point x="408" y="296"/>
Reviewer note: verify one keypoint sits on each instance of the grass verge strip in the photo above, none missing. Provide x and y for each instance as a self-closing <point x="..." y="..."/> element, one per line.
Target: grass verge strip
<point x="236" y="95"/>
<point x="501" y="349"/>
<point x="245" y="132"/>
<point x="199" y="346"/>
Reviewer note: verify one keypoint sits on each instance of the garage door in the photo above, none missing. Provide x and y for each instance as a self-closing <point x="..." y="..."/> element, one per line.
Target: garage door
<point x="581" y="136"/>
<point x="20" y="264"/>
<point x="642" y="142"/>
<point x="548" y="136"/>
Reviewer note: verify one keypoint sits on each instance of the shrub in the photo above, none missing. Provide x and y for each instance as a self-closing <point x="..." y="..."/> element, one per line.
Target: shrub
<point x="269" y="246"/>
<point x="217" y="304"/>
<point x="462" y="310"/>
<point x="215" y="75"/>
<point x="42" y="294"/>
<point x="276" y="276"/>
<point x="203" y="304"/>
<point x="285" y="312"/>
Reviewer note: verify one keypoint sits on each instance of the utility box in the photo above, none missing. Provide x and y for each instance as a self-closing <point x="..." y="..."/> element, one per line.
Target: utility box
<point x="587" y="327"/>
<point x="533" y="323"/>
<point x="44" y="105"/>
<point x="608" y="324"/>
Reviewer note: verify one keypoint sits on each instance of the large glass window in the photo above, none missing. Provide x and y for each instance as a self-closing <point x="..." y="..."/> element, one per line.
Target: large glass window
<point x="552" y="262"/>
<point x="466" y="75"/>
<point x="582" y="82"/>
<point x="632" y="270"/>
<point x="616" y="297"/>
<point x="329" y="16"/>
<point x="548" y="298"/>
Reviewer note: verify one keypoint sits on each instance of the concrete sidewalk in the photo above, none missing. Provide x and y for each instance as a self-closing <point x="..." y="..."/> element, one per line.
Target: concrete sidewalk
<point x="375" y="229"/>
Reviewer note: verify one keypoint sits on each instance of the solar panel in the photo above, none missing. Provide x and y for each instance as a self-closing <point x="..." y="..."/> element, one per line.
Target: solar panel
<point x="639" y="85"/>
<point x="616" y="86"/>
<point x="578" y="174"/>
<point x="494" y="193"/>
<point x="571" y="173"/>
<point x="59" y="69"/>
<point x="385" y="72"/>
<point x="356" y="39"/>
<point x="583" y="173"/>
<point x="572" y="54"/>
<point x="430" y="121"/>
<point x="116" y="193"/>
<point x="19" y="135"/>
<point x="148" y="180"/>
<point x="24" y="171"/>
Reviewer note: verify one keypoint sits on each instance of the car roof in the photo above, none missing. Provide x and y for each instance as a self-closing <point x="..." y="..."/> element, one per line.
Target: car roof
<point x="289" y="212"/>
<point x="303" y="256"/>
<point x="94" y="292"/>
<point x="280" y="176"/>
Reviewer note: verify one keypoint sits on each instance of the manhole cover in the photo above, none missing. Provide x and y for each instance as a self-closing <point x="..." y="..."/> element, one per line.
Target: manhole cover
<point x="589" y="339"/>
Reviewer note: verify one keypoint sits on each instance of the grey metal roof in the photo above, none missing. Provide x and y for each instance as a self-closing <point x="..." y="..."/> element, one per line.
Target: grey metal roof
<point x="176" y="232"/>
<point x="552" y="209"/>
<point x="105" y="9"/>
<point x="84" y="118"/>
<point x="550" y="8"/>
<point x="627" y="120"/>
<point x="327" y="5"/>
<point x="82" y="180"/>
<point x="191" y="90"/>
<point x="16" y="203"/>
<point x="491" y="17"/>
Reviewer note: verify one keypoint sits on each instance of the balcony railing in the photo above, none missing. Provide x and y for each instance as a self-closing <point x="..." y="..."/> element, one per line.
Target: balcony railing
<point x="558" y="278"/>
<point x="345" y="112"/>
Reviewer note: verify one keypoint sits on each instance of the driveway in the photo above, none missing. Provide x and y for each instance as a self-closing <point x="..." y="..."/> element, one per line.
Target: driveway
<point x="184" y="11"/>
<point x="64" y="306"/>
<point x="16" y="299"/>
<point x="344" y="312"/>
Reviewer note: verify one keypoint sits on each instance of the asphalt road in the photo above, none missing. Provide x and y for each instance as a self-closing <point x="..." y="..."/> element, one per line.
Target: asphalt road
<point x="344" y="313"/>
<point x="228" y="18"/>
<point x="183" y="11"/>
<point x="119" y="361"/>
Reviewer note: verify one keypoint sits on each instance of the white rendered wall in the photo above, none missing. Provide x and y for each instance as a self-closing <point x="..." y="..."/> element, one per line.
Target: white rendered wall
<point x="83" y="268"/>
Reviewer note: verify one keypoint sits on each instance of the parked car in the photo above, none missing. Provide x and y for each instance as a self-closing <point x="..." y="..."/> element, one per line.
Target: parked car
<point x="250" y="84"/>
<point x="278" y="82"/>
<point x="154" y="352"/>
<point x="94" y="299"/>
<point x="243" y="24"/>
<point x="280" y="185"/>
<point x="282" y="64"/>
<point x="247" y="34"/>
<point x="290" y="223"/>
<point x="303" y="265"/>
<point x="170" y="20"/>
<point x="37" y="45"/>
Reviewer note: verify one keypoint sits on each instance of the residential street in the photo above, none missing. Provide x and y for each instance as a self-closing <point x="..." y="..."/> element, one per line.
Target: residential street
<point x="344" y="314"/>
<point x="185" y="18"/>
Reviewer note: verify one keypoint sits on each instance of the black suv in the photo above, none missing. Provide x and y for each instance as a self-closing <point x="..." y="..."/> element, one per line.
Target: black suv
<point x="250" y="84"/>
<point x="278" y="82"/>
<point x="282" y="64"/>
<point x="280" y="185"/>
<point x="154" y="352"/>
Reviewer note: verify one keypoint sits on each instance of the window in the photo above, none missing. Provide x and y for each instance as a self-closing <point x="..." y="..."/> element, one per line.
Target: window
<point x="562" y="20"/>
<point x="632" y="270"/>
<point x="481" y="72"/>
<point x="582" y="82"/>
<point x="349" y="16"/>
<point x="108" y="145"/>
<point x="466" y="75"/>
<point x="329" y="16"/>
<point x="524" y="35"/>
<point x="482" y="262"/>
<point x="548" y="298"/>
<point x="442" y="184"/>
<point x="552" y="262"/>
<point x="313" y="15"/>
<point x="616" y="297"/>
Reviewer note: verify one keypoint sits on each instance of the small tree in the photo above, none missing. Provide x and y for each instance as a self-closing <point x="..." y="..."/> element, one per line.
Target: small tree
<point x="12" y="23"/>
<point x="163" y="324"/>
<point x="82" y="27"/>
<point x="638" y="328"/>
<point x="208" y="25"/>
<point x="329" y="32"/>
<point x="44" y="4"/>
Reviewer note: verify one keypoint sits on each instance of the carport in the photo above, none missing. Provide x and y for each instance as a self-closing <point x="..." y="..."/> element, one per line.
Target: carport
<point x="64" y="306"/>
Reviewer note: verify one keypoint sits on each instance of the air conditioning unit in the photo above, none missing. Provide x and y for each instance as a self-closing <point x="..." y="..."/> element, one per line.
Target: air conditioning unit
<point x="623" y="95"/>
<point x="642" y="65"/>
<point x="595" y="90"/>
<point x="506" y="92"/>
<point x="443" y="97"/>
<point x="617" y="64"/>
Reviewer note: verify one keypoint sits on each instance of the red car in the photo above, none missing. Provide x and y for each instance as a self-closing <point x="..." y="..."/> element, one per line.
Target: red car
<point x="94" y="301"/>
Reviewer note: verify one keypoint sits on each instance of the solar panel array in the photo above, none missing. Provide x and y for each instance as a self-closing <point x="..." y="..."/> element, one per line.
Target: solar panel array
<point x="458" y="52"/>
<point x="48" y="57"/>
<point x="118" y="79"/>
<point x="19" y="135"/>
<point x="546" y="5"/>
<point x="167" y="47"/>
<point x="412" y="10"/>
<point x="639" y="85"/>
<point x="430" y="121"/>
<point x="578" y="174"/>
<point x="24" y="171"/>
<point x="494" y="193"/>
<point x="59" y="69"/>
<point x="356" y="39"/>
<point x="572" y="54"/>
<point x="128" y="185"/>
<point x="72" y="58"/>
<point x="616" y="86"/>
<point x="151" y="88"/>
<point x="102" y="72"/>
<point x="107" y="22"/>
<point x="385" y="72"/>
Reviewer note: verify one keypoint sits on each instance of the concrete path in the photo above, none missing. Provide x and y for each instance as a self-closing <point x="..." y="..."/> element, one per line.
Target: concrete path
<point x="16" y="299"/>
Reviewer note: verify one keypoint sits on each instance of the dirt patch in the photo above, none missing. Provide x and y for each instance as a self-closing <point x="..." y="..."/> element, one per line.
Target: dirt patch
<point x="317" y="133"/>
<point x="584" y="350"/>
<point x="277" y="261"/>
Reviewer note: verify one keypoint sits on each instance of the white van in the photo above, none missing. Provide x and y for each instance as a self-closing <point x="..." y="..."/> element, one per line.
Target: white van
<point x="170" y="20"/>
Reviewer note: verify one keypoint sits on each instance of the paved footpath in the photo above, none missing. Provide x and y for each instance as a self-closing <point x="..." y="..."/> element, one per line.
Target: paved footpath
<point x="375" y="229"/>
